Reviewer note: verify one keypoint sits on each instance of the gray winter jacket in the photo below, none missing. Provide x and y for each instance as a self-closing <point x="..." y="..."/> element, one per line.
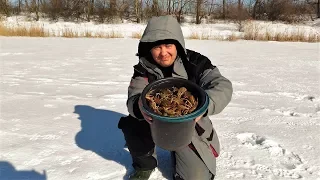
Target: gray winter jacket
<point x="189" y="65"/>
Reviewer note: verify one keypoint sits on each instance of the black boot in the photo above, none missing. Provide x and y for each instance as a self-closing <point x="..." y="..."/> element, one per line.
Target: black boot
<point x="140" y="175"/>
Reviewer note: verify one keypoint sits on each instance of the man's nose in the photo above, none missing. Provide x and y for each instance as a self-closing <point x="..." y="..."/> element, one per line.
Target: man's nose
<point x="163" y="52"/>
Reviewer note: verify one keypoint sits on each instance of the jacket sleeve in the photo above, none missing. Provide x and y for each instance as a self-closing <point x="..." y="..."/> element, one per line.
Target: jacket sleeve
<point x="218" y="88"/>
<point x="138" y="82"/>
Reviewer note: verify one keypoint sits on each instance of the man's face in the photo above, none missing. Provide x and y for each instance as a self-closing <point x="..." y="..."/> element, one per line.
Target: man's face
<point x="164" y="54"/>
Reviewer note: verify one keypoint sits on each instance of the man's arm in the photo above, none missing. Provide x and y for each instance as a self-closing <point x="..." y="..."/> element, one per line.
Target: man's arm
<point x="218" y="88"/>
<point x="138" y="82"/>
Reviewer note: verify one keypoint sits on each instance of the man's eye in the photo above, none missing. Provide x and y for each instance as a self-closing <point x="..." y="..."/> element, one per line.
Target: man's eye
<point x="168" y="45"/>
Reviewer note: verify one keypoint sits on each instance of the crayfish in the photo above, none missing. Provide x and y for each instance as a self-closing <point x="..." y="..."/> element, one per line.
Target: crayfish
<point x="172" y="102"/>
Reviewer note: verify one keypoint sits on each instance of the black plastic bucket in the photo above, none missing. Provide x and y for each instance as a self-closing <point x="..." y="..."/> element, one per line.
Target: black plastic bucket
<point x="173" y="133"/>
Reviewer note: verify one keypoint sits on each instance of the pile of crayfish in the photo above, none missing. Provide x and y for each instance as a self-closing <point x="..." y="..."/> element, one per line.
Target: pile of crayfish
<point x="172" y="102"/>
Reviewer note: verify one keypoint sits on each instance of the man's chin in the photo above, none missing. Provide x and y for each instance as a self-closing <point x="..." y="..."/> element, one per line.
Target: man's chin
<point x="166" y="64"/>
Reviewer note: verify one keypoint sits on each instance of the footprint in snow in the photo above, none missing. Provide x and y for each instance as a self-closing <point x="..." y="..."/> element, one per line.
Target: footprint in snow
<point x="308" y="97"/>
<point x="237" y="175"/>
<point x="284" y="160"/>
<point x="287" y="112"/>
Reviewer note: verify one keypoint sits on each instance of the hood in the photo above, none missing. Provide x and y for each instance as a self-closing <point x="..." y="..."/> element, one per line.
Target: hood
<point x="160" y="30"/>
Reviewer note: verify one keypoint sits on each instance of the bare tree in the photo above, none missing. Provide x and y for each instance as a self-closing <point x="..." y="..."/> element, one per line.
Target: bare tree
<point x="209" y="6"/>
<point x="240" y="16"/>
<point x="123" y="9"/>
<point x="318" y="8"/>
<point x="198" y="11"/>
<point x="180" y="8"/>
<point x="112" y="11"/>
<point x="90" y="9"/>
<point x="35" y="4"/>
<point x="148" y="9"/>
<point x="255" y="9"/>
<point x="101" y="10"/>
<point x="4" y="7"/>
<point x="224" y="9"/>
<point x="137" y="8"/>
<point x="155" y="8"/>
<point x="19" y="6"/>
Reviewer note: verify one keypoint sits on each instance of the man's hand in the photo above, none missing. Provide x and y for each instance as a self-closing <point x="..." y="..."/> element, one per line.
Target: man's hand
<point x="145" y="116"/>
<point x="198" y="118"/>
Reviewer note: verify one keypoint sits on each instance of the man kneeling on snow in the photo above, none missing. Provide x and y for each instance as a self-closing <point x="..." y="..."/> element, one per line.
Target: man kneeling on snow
<point x="162" y="54"/>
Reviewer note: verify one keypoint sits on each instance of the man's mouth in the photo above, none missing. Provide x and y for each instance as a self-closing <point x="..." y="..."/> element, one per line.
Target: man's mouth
<point x="165" y="59"/>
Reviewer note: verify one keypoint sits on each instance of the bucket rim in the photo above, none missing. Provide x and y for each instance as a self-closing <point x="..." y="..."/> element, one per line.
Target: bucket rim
<point x="184" y="118"/>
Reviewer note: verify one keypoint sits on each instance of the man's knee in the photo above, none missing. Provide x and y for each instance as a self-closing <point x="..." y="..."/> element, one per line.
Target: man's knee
<point x="194" y="174"/>
<point x="189" y="166"/>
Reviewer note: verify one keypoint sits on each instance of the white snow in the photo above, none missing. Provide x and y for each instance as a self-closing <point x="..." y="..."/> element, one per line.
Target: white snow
<point x="217" y="30"/>
<point x="61" y="100"/>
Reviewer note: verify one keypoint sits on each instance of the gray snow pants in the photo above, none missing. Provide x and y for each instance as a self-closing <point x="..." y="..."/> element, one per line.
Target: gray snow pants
<point x="187" y="161"/>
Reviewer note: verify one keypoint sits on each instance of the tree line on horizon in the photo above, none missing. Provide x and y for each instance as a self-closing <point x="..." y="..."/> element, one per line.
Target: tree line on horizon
<point x="111" y="11"/>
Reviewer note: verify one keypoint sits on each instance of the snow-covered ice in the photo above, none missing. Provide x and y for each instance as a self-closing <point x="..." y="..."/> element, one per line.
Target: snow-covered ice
<point x="61" y="100"/>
